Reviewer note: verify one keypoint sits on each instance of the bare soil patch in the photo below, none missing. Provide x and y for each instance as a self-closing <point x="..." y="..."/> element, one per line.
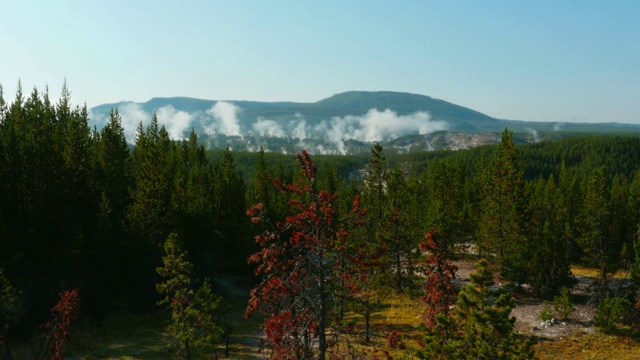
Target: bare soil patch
<point x="528" y="308"/>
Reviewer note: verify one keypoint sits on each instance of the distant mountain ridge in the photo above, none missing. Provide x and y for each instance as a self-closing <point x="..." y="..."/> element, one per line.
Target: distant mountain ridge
<point x="342" y="104"/>
<point x="358" y="115"/>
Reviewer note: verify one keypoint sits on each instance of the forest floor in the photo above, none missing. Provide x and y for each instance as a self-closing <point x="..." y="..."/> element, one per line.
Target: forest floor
<point x="575" y="338"/>
<point x="528" y="308"/>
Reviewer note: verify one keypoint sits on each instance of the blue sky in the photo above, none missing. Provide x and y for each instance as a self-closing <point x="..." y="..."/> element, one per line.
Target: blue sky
<point x="524" y="60"/>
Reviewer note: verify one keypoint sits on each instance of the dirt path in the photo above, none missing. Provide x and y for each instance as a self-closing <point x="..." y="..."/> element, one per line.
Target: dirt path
<point x="247" y="335"/>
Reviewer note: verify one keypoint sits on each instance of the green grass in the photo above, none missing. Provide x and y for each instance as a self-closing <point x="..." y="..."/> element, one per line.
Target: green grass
<point x="120" y="337"/>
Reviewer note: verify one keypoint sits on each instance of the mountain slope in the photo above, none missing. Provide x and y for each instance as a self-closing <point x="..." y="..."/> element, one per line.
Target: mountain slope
<point x="342" y="122"/>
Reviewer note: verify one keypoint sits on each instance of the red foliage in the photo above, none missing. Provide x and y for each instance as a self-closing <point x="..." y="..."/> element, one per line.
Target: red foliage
<point x="297" y="262"/>
<point x="439" y="290"/>
<point x="63" y="315"/>
<point x="394" y="341"/>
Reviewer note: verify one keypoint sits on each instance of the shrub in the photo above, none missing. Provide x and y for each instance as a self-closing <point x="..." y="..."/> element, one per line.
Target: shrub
<point x="610" y="312"/>
<point x="563" y="303"/>
<point x="545" y="313"/>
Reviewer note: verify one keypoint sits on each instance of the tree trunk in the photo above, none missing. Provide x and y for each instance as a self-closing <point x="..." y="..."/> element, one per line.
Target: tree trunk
<point x="187" y="353"/>
<point x="7" y="349"/>
<point x="322" y="339"/>
<point x="367" y="321"/>
<point x="399" y="271"/>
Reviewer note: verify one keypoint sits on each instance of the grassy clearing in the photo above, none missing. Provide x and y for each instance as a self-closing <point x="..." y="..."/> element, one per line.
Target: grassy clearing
<point x="129" y="337"/>
<point x="120" y="337"/>
<point x="579" y="270"/>
<point x="590" y="347"/>
<point x="403" y="314"/>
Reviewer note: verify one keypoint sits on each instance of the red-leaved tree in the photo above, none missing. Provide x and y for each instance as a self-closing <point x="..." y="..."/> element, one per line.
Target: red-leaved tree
<point x="439" y="291"/>
<point x="299" y="264"/>
<point x="63" y="315"/>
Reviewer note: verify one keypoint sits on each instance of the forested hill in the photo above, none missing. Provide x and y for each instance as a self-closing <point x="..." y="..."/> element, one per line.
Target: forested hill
<point x="581" y="155"/>
<point x="346" y="123"/>
<point x="344" y="104"/>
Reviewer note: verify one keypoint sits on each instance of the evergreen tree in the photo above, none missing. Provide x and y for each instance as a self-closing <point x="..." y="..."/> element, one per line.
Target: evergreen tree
<point x="375" y="180"/>
<point x="231" y="223"/>
<point x="193" y="313"/>
<point x="594" y="221"/>
<point x="193" y="200"/>
<point x="634" y="203"/>
<point x="568" y="204"/>
<point x="635" y="265"/>
<point x="258" y="191"/>
<point x="550" y="266"/>
<point x="620" y="229"/>
<point x="116" y="166"/>
<point x="445" y="199"/>
<point x="479" y="328"/>
<point x="501" y="231"/>
<point x="114" y="180"/>
<point x="397" y="235"/>
<point x="150" y="215"/>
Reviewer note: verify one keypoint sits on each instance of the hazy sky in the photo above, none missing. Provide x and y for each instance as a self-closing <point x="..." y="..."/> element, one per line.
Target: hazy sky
<point x="527" y="60"/>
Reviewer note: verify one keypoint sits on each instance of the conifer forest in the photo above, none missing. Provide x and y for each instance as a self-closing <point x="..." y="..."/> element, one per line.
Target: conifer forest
<point x="93" y="228"/>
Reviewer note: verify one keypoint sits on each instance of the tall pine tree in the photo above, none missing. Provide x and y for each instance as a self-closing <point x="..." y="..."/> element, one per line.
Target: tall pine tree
<point x="501" y="231"/>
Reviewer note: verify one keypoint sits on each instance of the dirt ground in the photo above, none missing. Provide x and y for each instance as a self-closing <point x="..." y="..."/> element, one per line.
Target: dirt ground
<point x="528" y="308"/>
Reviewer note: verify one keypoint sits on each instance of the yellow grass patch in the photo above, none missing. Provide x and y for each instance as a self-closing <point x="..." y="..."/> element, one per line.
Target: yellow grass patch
<point x="589" y="347"/>
<point x="579" y="270"/>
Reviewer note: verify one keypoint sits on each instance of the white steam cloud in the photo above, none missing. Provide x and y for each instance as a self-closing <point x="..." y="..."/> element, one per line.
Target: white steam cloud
<point x="374" y="126"/>
<point x="132" y="114"/>
<point x="177" y="123"/>
<point x="226" y="115"/>
<point x="268" y="128"/>
<point x="329" y="136"/>
<point x="382" y="125"/>
<point x="534" y="134"/>
<point x="300" y="131"/>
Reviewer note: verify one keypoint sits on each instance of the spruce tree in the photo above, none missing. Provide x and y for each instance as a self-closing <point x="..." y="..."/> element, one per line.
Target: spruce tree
<point x="150" y="215"/>
<point x="480" y="326"/>
<point x="550" y="266"/>
<point x="501" y="231"/>
<point x="194" y="321"/>
<point x="193" y="201"/>
<point x="115" y="162"/>
<point x="397" y="235"/>
<point x="594" y="221"/>
<point x="231" y="222"/>
<point x="568" y="202"/>
<point x="445" y="201"/>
